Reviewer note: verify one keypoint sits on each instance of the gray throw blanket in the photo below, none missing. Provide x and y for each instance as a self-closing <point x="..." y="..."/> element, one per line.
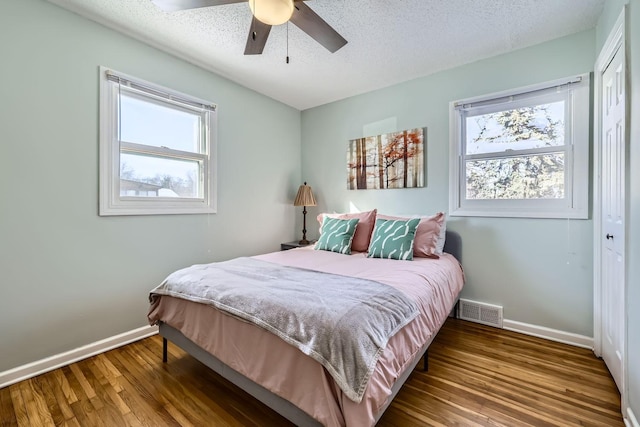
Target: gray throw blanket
<point x="342" y="322"/>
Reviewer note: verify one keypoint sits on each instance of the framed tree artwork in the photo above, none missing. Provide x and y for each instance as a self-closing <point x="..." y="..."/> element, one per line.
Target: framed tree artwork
<point x="392" y="160"/>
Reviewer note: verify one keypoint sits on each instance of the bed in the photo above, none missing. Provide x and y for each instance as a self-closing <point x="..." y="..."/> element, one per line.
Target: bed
<point x="294" y="384"/>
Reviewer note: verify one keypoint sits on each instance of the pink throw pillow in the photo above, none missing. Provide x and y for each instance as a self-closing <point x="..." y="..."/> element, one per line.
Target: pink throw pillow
<point x="424" y="244"/>
<point x="362" y="236"/>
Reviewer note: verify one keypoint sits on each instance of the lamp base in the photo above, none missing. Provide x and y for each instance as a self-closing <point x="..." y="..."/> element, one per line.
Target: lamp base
<point x="304" y="241"/>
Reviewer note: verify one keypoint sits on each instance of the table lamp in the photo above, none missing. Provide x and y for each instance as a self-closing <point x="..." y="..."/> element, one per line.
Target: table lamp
<point x="304" y="198"/>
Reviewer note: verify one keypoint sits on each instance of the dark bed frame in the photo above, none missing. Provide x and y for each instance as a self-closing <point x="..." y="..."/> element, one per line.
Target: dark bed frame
<point x="285" y="408"/>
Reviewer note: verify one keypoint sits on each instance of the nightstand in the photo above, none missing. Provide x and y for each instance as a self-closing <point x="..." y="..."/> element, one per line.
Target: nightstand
<point x="295" y="244"/>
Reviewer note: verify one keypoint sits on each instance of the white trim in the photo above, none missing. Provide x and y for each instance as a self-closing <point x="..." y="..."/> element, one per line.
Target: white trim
<point x="455" y="158"/>
<point x="630" y="420"/>
<point x="50" y="363"/>
<point x="548" y="333"/>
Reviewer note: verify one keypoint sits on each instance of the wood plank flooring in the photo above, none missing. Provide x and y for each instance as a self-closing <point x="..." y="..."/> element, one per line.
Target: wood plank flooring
<point x="478" y="376"/>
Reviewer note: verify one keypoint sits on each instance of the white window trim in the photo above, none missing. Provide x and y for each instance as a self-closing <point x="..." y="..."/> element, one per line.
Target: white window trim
<point x="576" y="203"/>
<point x="110" y="202"/>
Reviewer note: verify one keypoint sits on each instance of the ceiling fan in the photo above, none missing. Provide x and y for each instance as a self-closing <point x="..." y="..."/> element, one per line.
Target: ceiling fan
<point x="267" y="13"/>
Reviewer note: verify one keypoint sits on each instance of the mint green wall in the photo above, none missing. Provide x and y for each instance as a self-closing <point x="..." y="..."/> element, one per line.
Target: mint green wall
<point x="70" y="277"/>
<point x="633" y="253"/>
<point x="607" y="19"/>
<point x="540" y="270"/>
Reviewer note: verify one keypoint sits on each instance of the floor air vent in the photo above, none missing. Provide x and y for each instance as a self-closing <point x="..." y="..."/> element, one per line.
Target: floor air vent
<point x="478" y="312"/>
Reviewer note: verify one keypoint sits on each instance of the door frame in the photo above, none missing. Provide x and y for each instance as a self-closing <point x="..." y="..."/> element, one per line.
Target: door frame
<point x="615" y="40"/>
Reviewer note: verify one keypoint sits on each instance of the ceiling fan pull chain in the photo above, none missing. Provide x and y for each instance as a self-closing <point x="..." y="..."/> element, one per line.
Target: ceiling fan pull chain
<point x="287" y="42"/>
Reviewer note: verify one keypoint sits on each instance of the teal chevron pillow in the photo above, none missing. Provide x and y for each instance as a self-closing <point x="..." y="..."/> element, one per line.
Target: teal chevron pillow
<point x="337" y="235"/>
<point x="393" y="239"/>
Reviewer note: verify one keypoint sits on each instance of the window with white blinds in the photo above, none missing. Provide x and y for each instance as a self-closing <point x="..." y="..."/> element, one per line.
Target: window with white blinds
<point x="522" y="153"/>
<point x="157" y="149"/>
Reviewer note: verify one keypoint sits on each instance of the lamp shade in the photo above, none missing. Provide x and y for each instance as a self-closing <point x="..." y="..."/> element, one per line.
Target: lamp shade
<point x="305" y="196"/>
<point x="272" y="12"/>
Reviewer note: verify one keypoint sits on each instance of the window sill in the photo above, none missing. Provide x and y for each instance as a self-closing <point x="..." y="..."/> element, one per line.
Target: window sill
<point x="515" y="213"/>
<point x="178" y="210"/>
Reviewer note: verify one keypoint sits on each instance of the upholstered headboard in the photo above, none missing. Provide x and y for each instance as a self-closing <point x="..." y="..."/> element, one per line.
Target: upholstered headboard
<point x="453" y="245"/>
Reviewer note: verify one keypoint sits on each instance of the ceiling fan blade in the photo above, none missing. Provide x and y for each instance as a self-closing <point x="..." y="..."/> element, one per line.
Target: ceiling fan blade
<point x="311" y="23"/>
<point x="175" y="5"/>
<point x="258" y="34"/>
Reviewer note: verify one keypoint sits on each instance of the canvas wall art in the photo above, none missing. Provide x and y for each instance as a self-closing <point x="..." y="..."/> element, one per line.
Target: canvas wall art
<point x="392" y="160"/>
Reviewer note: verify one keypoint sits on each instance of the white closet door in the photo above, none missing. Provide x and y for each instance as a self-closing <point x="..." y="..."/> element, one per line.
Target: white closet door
<point x="613" y="221"/>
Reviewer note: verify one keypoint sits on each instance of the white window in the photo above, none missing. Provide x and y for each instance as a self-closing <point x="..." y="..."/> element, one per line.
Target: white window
<point x="157" y="149"/>
<point x="522" y="153"/>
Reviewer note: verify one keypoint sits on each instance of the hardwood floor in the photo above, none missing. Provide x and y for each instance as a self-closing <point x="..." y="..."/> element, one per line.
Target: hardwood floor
<point x="477" y="376"/>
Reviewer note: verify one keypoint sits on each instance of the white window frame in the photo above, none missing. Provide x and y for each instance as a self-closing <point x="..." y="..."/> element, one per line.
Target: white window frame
<point x="575" y="204"/>
<point x="111" y="203"/>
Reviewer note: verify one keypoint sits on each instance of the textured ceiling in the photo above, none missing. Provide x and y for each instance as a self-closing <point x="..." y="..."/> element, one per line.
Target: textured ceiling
<point x="390" y="41"/>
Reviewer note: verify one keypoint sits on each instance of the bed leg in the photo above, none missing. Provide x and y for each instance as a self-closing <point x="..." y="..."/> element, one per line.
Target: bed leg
<point x="454" y="310"/>
<point x="425" y="366"/>
<point x="164" y="350"/>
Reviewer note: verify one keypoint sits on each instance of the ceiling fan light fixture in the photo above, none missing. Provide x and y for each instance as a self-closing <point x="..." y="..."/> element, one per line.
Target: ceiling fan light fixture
<point x="272" y="12"/>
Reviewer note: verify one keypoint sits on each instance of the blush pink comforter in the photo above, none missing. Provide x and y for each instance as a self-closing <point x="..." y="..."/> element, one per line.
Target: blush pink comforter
<point x="267" y="360"/>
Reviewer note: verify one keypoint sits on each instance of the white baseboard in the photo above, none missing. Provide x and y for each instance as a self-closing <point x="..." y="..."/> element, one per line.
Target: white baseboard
<point x="38" y="367"/>
<point x="631" y="420"/>
<point x="548" y="333"/>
